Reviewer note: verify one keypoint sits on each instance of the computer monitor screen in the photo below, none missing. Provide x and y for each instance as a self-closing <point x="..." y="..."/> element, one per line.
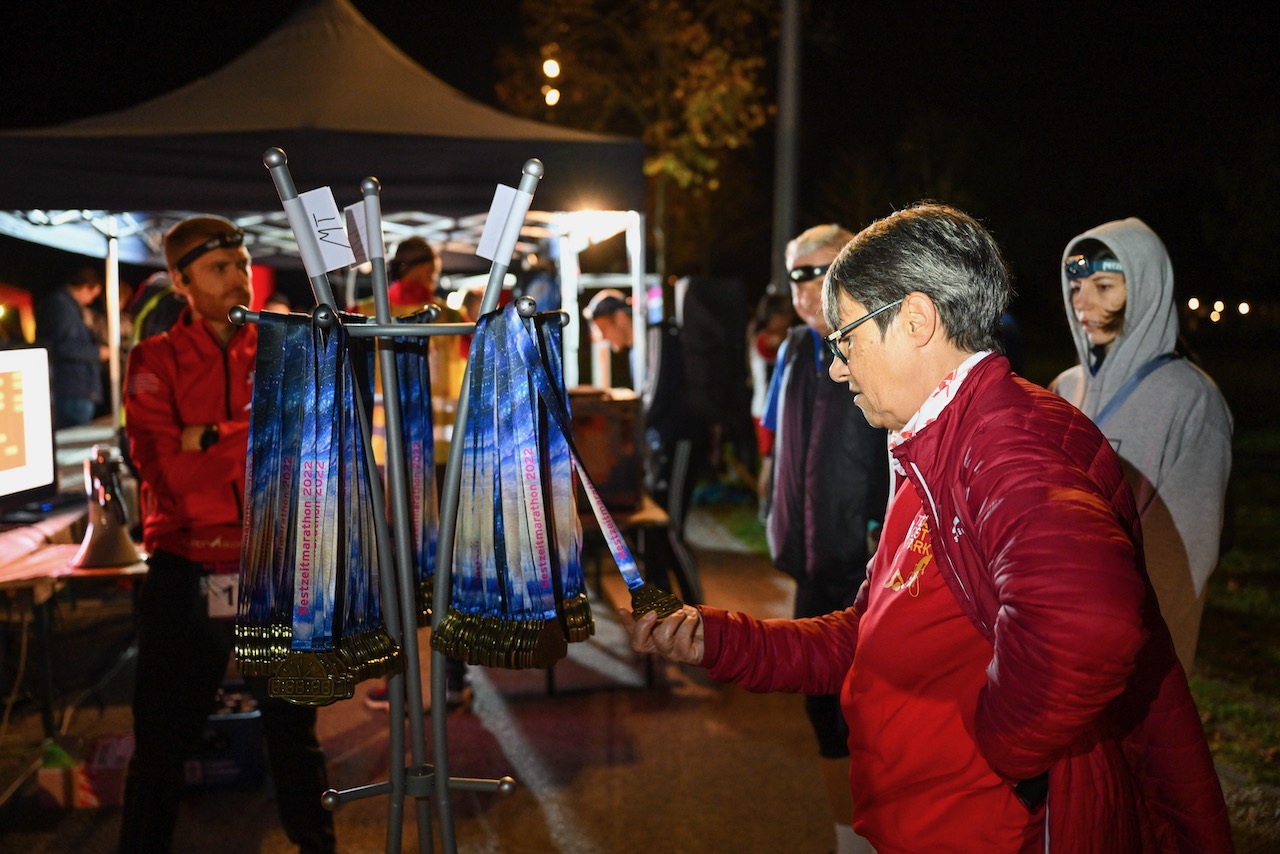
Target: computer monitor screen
<point x="28" y="473"/>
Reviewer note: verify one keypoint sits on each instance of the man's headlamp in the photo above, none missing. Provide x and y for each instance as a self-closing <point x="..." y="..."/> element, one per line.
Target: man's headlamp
<point x="232" y="239"/>
<point x="1080" y="267"/>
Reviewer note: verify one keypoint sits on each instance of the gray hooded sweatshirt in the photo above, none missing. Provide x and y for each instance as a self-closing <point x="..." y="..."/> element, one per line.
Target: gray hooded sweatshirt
<point x="1172" y="432"/>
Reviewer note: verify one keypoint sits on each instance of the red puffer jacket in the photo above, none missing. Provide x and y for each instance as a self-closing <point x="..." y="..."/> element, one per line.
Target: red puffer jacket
<point x="1084" y="681"/>
<point x="191" y="500"/>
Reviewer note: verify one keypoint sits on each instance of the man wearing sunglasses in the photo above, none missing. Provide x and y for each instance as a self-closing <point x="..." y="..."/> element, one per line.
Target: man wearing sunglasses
<point x="824" y="479"/>
<point x="187" y="397"/>
<point x="1007" y="680"/>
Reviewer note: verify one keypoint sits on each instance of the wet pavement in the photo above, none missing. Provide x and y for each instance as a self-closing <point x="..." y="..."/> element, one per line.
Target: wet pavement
<point x="617" y="759"/>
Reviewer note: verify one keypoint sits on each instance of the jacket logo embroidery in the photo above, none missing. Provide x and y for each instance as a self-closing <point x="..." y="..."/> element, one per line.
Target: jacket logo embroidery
<point x="956" y="531"/>
<point x="921" y="547"/>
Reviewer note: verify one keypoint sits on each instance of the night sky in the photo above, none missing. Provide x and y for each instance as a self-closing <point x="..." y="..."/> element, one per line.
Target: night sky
<point x="1064" y="118"/>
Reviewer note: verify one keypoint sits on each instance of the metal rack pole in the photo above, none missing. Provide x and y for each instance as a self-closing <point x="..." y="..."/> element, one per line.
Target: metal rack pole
<point x="420" y="780"/>
<point x="278" y="165"/>
<point x="530" y="175"/>
<point x="405" y="692"/>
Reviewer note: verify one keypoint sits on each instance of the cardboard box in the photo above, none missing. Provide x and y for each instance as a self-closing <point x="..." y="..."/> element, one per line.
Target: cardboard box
<point x="608" y="432"/>
<point x="67" y="787"/>
<point x="94" y="781"/>
<point x="230" y="756"/>
<point x="108" y="767"/>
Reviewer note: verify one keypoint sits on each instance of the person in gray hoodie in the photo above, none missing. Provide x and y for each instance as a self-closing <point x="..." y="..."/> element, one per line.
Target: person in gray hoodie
<point x="1163" y="415"/>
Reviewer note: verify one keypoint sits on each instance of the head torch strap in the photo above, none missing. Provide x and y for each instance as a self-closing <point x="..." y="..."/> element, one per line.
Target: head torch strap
<point x="226" y="240"/>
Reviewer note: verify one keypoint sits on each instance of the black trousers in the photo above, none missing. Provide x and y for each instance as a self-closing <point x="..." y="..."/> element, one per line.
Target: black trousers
<point x="182" y="659"/>
<point x="813" y="599"/>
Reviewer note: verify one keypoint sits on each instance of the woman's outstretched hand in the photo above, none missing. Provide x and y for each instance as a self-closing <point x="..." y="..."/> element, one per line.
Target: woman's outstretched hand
<point x="677" y="638"/>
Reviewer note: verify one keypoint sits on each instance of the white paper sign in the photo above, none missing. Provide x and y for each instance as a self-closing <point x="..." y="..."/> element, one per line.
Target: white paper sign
<point x="222" y="592"/>
<point x="355" y="231"/>
<point x="491" y="246"/>
<point x="325" y="222"/>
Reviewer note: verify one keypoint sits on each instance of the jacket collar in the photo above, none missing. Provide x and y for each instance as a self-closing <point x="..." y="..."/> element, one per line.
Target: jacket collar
<point x="927" y="443"/>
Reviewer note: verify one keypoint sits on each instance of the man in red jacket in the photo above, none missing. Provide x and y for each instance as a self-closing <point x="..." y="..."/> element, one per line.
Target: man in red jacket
<point x="187" y="399"/>
<point x="1008" y="682"/>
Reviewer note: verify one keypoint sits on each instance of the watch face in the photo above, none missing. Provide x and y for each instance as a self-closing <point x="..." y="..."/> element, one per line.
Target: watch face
<point x="208" y="437"/>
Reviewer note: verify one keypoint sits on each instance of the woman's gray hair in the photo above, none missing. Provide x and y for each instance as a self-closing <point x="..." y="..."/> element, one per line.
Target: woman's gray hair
<point x="932" y="249"/>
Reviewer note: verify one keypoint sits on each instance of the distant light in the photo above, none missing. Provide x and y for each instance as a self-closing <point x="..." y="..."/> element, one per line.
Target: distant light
<point x="1" y="311"/>
<point x="591" y="226"/>
<point x="1193" y="303"/>
<point x="454" y="299"/>
<point x="1243" y="308"/>
<point x="1215" y="316"/>
<point x="553" y="97"/>
<point x="551" y="68"/>
<point x="1219" y="305"/>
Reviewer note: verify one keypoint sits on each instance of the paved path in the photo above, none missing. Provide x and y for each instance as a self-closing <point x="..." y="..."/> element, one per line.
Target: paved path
<point x="605" y="765"/>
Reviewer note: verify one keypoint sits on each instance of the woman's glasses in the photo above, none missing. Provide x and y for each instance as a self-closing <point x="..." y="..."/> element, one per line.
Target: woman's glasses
<point x="833" y="340"/>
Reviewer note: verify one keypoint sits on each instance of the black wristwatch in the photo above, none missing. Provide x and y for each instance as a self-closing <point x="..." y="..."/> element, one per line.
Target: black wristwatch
<point x="209" y="437"/>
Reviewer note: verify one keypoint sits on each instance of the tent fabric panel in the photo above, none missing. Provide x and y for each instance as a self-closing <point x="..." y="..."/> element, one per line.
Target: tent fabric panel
<point x="224" y="172"/>
<point x="325" y="68"/>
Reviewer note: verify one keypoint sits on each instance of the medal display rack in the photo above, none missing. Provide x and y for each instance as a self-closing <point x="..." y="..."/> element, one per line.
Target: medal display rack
<point x="425" y="782"/>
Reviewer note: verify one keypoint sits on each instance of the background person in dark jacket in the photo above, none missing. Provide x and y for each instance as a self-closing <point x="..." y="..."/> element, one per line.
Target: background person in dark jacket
<point x="75" y="355"/>
<point x="825" y="480"/>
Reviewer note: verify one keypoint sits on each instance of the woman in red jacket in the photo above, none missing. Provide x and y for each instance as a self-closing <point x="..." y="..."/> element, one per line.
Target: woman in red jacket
<point x="1007" y="679"/>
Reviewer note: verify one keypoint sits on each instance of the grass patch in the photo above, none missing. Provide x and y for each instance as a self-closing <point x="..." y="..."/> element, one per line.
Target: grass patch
<point x="1236" y="679"/>
<point x="741" y="520"/>
<point x="1242" y="726"/>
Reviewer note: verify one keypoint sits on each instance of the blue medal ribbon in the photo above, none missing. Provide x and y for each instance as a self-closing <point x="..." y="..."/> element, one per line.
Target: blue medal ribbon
<point x="522" y="343"/>
<point x="253" y="614"/>
<point x="413" y="371"/>
<point x="314" y="572"/>
<point x="509" y="584"/>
